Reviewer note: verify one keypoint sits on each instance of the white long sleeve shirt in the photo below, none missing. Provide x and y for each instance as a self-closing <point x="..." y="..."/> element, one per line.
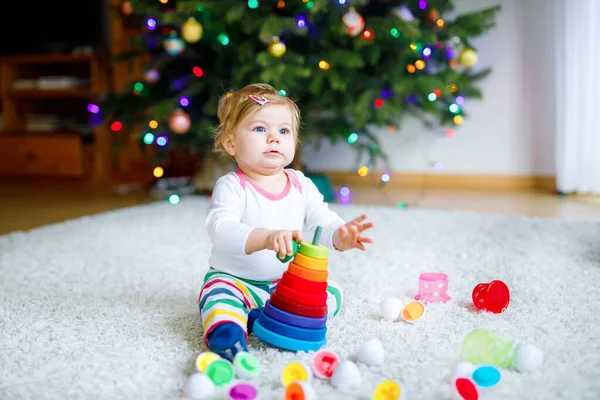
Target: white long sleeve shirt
<point x="238" y="206"/>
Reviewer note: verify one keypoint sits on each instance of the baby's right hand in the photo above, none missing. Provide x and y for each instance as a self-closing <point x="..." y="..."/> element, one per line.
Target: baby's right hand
<point x="281" y="241"/>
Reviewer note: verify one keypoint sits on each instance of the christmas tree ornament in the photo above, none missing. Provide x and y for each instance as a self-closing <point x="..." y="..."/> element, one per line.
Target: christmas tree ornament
<point x="403" y="13"/>
<point x="127" y="8"/>
<point x="192" y="30"/>
<point x="179" y="122"/>
<point x="468" y="58"/>
<point x="173" y="44"/>
<point x="276" y="47"/>
<point x="432" y="16"/>
<point x="152" y="76"/>
<point x="354" y="22"/>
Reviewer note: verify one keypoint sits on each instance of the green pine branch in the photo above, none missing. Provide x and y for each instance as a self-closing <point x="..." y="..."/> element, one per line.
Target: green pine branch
<point x="335" y="101"/>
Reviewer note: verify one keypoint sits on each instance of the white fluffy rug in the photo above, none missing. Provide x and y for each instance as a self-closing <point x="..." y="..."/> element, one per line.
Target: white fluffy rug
<point x="104" y="307"/>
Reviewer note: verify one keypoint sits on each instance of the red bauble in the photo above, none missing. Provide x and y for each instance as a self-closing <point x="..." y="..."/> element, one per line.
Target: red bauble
<point x="432" y="16"/>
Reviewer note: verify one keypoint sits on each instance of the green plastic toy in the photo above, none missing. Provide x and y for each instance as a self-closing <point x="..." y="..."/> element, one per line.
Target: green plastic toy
<point x="295" y="247"/>
<point x="485" y="347"/>
<point x="314" y="249"/>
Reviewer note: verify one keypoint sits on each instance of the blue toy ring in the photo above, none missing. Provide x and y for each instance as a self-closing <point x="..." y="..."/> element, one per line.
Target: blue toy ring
<point x="291" y="331"/>
<point x="283" y="342"/>
<point x="293" y="319"/>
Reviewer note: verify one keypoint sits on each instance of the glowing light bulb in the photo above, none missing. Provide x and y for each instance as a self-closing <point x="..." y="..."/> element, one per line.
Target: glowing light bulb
<point x="149" y="138"/>
<point x="197" y="71"/>
<point x="116" y="126"/>
<point x="162" y="141"/>
<point x="158" y="172"/>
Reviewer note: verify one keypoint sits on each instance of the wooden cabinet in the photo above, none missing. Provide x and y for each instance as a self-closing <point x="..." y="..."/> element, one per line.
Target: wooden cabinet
<point x="45" y="129"/>
<point x="42" y="156"/>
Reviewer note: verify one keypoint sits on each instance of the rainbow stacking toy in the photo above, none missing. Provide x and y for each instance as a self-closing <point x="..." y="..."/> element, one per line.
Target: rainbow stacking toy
<point x="294" y="317"/>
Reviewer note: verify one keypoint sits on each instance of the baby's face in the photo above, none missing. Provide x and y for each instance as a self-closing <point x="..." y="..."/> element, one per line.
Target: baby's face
<point x="265" y="141"/>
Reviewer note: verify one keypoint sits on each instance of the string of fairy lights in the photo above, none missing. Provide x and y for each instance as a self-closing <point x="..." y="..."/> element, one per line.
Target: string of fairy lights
<point x="192" y="31"/>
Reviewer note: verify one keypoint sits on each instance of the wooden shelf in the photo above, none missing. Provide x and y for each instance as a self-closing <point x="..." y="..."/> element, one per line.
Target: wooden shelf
<point x="51" y="58"/>
<point x="41" y="155"/>
<point x="48" y="93"/>
<point x="33" y="133"/>
<point x="61" y="153"/>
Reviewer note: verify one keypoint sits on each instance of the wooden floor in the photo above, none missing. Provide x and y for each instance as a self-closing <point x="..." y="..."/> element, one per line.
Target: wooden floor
<point x="26" y="206"/>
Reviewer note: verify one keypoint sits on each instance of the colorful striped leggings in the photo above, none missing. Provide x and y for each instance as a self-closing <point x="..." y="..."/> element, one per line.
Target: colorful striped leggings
<point x="227" y="298"/>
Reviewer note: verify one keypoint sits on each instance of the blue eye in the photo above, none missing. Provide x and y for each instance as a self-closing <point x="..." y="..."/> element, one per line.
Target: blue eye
<point x="260" y="129"/>
<point x="284" y="131"/>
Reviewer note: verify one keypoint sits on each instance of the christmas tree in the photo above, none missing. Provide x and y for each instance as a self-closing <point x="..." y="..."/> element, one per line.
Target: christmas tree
<point x="351" y="65"/>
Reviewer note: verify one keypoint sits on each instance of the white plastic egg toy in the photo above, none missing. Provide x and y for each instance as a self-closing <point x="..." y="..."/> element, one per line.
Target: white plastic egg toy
<point x="462" y="369"/>
<point x="390" y="308"/>
<point x="308" y="393"/>
<point x="371" y="353"/>
<point x="199" y="387"/>
<point x="346" y="376"/>
<point x="528" y="358"/>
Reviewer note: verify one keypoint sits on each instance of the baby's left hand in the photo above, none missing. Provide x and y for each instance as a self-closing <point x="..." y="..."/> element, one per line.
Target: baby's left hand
<point x="349" y="236"/>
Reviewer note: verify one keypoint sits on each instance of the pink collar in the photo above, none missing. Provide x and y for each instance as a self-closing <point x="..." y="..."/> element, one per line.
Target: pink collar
<point x="291" y="179"/>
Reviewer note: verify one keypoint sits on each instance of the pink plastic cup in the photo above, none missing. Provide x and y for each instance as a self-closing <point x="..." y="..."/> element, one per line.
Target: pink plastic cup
<point x="433" y="287"/>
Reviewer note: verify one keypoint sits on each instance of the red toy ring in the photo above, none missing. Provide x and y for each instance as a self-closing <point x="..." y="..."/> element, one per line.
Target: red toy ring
<point x="290" y="306"/>
<point x="303" y="285"/>
<point x="301" y="297"/>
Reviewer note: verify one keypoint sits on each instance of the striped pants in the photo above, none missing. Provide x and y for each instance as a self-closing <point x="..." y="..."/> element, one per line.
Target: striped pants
<point x="227" y="298"/>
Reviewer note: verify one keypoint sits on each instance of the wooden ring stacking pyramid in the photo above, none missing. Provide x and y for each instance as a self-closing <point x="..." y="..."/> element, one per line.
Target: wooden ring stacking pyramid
<point x="295" y="316"/>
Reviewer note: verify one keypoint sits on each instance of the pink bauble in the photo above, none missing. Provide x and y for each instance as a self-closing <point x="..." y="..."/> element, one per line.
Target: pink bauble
<point x="179" y="122"/>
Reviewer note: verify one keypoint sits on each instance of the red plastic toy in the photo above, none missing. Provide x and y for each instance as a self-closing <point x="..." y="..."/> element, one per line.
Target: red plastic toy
<point x="493" y="296"/>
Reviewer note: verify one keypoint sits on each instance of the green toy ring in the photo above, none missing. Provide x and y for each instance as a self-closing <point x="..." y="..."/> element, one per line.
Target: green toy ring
<point x="314" y="251"/>
<point x="288" y="257"/>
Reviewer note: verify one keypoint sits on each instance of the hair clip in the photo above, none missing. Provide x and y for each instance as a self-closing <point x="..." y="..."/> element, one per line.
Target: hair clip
<point x="260" y="100"/>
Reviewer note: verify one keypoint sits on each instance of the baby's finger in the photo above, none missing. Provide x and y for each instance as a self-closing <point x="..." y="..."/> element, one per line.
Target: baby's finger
<point x="297" y="236"/>
<point x="359" y="219"/>
<point x="364" y="227"/>
<point x="365" y="239"/>
<point x="360" y="246"/>
<point x="282" y="247"/>
<point x="288" y="245"/>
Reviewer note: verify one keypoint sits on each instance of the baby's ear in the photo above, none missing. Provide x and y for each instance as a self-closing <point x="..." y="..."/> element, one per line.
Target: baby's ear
<point x="228" y="145"/>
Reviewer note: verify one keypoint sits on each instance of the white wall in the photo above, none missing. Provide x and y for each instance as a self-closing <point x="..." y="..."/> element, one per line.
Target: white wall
<point x="509" y="132"/>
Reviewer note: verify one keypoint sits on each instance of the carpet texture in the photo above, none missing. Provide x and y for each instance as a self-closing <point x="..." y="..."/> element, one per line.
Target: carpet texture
<point x="104" y="307"/>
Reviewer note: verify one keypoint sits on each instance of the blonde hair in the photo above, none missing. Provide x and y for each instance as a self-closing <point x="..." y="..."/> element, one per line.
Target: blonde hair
<point x="235" y="106"/>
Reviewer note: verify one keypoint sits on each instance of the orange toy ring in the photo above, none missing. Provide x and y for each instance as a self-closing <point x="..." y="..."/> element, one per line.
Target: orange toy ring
<point x="317" y="264"/>
<point x="308" y="274"/>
